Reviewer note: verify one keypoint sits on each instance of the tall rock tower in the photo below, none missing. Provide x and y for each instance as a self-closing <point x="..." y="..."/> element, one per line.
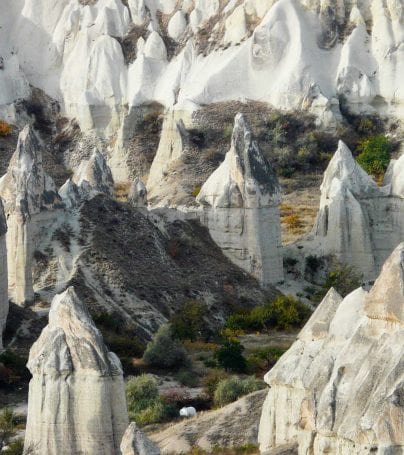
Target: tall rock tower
<point x="3" y="275"/>
<point x="76" y="399"/>
<point x="240" y="206"/>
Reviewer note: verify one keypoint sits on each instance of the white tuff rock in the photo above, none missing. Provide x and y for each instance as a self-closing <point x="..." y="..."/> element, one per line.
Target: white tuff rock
<point x="135" y="442"/>
<point x="339" y="388"/>
<point x="137" y="195"/>
<point x="3" y="275"/>
<point x="29" y="196"/>
<point x="76" y="395"/>
<point x="240" y="208"/>
<point x="358" y="221"/>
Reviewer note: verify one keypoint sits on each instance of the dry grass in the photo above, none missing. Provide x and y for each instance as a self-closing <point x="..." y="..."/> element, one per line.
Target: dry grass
<point x="122" y="191"/>
<point x="5" y="128"/>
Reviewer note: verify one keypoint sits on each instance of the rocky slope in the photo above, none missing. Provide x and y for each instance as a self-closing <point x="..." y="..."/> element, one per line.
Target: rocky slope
<point x="76" y="399"/>
<point x="338" y="389"/>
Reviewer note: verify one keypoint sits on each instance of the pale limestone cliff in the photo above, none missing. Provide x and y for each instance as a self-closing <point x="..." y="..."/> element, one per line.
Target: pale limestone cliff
<point x="339" y="388"/>
<point x="29" y="197"/>
<point x="239" y="205"/>
<point x="3" y="275"/>
<point x="76" y="399"/>
<point x="358" y="221"/>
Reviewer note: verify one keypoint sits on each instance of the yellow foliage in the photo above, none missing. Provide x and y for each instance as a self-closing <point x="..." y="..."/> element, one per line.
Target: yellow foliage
<point x="5" y="128"/>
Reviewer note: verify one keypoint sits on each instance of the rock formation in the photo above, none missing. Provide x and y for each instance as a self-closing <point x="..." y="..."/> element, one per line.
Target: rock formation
<point x="262" y="50"/>
<point x="3" y="275"/>
<point x="94" y="176"/>
<point x="135" y="442"/>
<point x="29" y="196"/>
<point x="358" y="221"/>
<point x="339" y="388"/>
<point x="240" y="208"/>
<point x="137" y="195"/>
<point x="76" y="395"/>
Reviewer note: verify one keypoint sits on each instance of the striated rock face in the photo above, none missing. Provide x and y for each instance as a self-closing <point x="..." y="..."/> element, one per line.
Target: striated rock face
<point x="135" y="442"/>
<point x="240" y="208"/>
<point x="29" y="195"/>
<point x="137" y="195"/>
<point x="358" y="221"/>
<point x="3" y="275"/>
<point x="94" y="177"/>
<point x="339" y="387"/>
<point x="76" y="395"/>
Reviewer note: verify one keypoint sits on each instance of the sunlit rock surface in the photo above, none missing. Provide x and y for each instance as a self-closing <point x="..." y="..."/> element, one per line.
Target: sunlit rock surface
<point x="3" y="275"/>
<point x="339" y="387"/>
<point x="29" y="196"/>
<point x="240" y="208"/>
<point x="358" y="221"/>
<point x="76" y="396"/>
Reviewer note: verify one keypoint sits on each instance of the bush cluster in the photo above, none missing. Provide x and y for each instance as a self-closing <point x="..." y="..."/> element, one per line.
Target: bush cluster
<point x="231" y="389"/>
<point x="375" y="154"/>
<point x="189" y="323"/>
<point x="284" y="313"/>
<point x="164" y="351"/>
<point x="145" y="406"/>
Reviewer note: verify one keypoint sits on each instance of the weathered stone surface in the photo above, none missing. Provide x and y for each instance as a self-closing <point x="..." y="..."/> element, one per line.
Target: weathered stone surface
<point x="29" y="194"/>
<point x="338" y="389"/>
<point x="94" y="177"/>
<point x="135" y="442"/>
<point x="3" y="275"/>
<point x="137" y="195"/>
<point x="358" y="221"/>
<point x="240" y="208"/>
<point x="76" y="395"/>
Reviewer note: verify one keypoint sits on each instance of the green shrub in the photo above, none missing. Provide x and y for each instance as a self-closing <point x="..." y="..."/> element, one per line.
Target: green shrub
<point x="164" y="351"/>
<point x="15" y="448"/>
<point x="230" y="356"/>
<point x="263" y="359"/>
<point x="284" y="313"/>
<point x="187" y="378"/>
<point x="344" y="279"/>
<point x="212" y="379"/>
<point x="375" y="154"/>
<point x="7" y="425"/>
<point x="189" y="323"/>
<point x="145" y="405"/>
<point x="231" y="389"/>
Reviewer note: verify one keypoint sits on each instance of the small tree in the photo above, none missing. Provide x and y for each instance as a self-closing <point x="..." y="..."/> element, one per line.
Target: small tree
<point x="230" y="356"/>
<point x="375" y="155"/>
<point x="189" y="323"/>
<point x="344" y="279"/>
<point x="164" y="351"/>
<point x="231" y="389"/>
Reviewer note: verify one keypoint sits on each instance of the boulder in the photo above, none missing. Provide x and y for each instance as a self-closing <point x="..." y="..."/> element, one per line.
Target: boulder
<point x="240" y="206"/>
<point x="76" y="400"/>
<point x="338" y="388"/>
<point x="135" y="442"/>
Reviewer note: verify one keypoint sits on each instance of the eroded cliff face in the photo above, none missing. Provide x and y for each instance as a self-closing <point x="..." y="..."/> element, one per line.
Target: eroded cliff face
<point x="3" y="275"/>
<point x="338" y="389"/>
<point x="30" y="197"/>
<point x="358" y="221"/>
<point x="239" y="204"/>
<point x="293" y="54"/>
<point x="76" y="397"/>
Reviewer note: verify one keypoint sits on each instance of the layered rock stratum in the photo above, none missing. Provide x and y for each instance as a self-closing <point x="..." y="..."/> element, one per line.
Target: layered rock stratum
<point x="77" y="398"/>
<point x="240" y="206"/>
<point x="339" y="387"/>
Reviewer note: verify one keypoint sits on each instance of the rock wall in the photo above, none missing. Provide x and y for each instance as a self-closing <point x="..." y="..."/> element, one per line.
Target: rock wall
<point x="76" y="395"/>
<point x="239" y="205"/>
<point x="29" y="196"/>
<point x="3" y="275"/>
<point x="358" y="221"/>
<point x="339" y="387"/>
